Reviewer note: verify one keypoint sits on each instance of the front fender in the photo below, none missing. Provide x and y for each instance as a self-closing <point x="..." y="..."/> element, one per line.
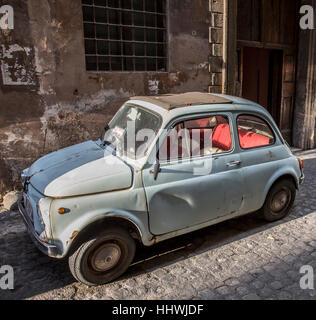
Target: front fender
<point x="72" y="232"/>
<point x="84" y="211"/>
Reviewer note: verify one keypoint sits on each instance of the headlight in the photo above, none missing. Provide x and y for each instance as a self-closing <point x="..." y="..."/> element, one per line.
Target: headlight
<point x="43" y="208"/>
<point x="40" y="216"/>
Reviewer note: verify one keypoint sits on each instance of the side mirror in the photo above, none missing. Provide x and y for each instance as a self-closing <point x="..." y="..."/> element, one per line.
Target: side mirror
<point x="106" y="128"/>
<point x="157" y="170"/>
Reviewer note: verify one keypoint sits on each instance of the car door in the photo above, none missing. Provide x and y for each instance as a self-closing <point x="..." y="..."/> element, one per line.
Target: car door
<point x="193" y="189"/>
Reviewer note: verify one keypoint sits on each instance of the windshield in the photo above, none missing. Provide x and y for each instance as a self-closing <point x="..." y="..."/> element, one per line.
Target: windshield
<point x="132" y="131"/>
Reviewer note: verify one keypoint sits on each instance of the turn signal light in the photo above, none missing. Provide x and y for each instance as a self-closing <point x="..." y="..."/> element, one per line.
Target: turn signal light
<point x="301" y="163"/>
<point x="62" y="210"/>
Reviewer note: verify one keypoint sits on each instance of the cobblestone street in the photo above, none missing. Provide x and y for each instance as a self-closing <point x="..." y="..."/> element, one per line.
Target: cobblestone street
<point x="245" y="258"/>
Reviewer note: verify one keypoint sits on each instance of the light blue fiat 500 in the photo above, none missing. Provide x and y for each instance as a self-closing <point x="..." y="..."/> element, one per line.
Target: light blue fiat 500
<point x="164" y="166"/>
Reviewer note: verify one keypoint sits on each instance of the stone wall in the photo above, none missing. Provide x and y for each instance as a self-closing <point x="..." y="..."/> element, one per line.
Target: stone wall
<point x="216" y="39"/>
<point x="223" y="42"/>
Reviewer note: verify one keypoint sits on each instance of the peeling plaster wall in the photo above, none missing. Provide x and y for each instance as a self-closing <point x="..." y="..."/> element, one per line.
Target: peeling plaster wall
<point x="47" y="98"/>
<point x="14" y="60"/>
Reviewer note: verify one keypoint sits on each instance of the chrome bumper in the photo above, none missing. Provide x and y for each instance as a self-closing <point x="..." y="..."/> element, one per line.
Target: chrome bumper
<point x="302" y="178"/>
<point x="48" y="249"/>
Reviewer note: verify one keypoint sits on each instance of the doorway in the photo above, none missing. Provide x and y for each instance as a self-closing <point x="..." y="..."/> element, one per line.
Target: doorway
<point x="262" y="78"/>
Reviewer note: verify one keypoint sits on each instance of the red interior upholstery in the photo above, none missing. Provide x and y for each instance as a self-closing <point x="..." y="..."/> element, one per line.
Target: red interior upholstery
<point x="251" y="140"/>
<point x="203" y="135"/>
<point x="170" y="149"/>
<point x="222" y="138"/>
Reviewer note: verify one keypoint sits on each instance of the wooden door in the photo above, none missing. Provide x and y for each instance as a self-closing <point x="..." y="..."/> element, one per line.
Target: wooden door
<point x="262" y="78"/>
<point x="288" y="93"/>
<point x="256" y="75"/>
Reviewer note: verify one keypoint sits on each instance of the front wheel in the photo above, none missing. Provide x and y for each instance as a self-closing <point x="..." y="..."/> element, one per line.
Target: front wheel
<point x="103" y="258"/>
<point x="279" y="201"/>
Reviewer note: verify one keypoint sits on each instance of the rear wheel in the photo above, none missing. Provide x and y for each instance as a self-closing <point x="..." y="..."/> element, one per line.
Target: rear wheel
<point x="103" y="258"/>
<point x="279" y="201"/>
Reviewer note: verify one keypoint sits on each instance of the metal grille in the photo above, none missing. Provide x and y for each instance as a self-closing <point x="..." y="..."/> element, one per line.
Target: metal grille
<point x="125" y="35"/>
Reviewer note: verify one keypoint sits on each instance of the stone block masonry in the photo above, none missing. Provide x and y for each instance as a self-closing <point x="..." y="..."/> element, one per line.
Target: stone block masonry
<point x="216" y="38"/>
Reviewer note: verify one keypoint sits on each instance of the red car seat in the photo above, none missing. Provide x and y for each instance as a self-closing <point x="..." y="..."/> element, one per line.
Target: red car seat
<point x="252" y="140"/>
<point x="222" y="138"/>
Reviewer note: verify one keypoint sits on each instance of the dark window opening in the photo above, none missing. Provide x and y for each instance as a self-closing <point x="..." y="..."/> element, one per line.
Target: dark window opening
<point x="125" y="35"/>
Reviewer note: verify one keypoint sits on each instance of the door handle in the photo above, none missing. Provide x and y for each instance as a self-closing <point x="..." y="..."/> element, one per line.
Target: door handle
<point x="233" y="164"/>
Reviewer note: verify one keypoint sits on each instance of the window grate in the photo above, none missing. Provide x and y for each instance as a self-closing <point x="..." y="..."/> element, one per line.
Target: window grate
<point x="125" y="35"/>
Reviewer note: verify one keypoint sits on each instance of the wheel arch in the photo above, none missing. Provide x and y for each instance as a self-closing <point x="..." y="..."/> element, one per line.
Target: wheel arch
<point x="100" y="223"/>
<point x="289" y="175"/>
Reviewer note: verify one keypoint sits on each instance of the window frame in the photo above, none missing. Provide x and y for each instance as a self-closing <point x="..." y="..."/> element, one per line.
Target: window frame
<point x="150" y="111"/>
<point x="121" y="42"/>
<point x="266" y="121"/>
<point x="183" y="119"/>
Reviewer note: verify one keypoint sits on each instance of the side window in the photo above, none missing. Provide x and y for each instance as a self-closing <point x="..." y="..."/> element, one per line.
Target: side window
<point x="254" y="132"/>
<point x="198" y="137"/>
<point x="174" y="146"/>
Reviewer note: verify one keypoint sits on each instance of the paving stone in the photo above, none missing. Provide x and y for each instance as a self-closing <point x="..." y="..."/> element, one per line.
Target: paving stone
<point x="242" y="291"/>
<point x="257" y="284"/>
<point x="276" y="285"/>
<point x="266" y="292"/>
<point x="251" y="296"/>
<point x="223" y="290"/>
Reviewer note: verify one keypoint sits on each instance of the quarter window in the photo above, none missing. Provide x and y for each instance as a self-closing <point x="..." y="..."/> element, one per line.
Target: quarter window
<point x="254" y="132"/>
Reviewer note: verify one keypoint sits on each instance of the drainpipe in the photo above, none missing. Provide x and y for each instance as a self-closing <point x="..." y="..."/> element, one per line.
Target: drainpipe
<point x="225" y="46"/>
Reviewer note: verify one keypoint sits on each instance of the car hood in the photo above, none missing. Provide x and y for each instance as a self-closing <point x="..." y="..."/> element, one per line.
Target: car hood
<point x="82" y="169"/>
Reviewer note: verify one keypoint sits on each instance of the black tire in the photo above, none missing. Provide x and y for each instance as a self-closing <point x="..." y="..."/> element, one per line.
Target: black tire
<point x="279" y="201"/>
<point x="103" y="258"/>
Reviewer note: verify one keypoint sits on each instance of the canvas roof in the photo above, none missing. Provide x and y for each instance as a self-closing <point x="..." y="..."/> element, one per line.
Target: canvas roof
<point x="173" y="101"/>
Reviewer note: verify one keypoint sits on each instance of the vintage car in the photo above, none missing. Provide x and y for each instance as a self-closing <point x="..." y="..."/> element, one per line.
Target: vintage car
<point x="204" y="159"/>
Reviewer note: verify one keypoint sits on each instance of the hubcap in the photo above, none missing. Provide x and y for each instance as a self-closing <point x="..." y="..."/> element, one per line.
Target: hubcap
<point x="106" y="257"/>
<point x="280" y="201"/>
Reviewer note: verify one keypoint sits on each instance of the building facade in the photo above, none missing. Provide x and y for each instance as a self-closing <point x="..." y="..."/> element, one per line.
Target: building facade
<point x="67" y="66"/>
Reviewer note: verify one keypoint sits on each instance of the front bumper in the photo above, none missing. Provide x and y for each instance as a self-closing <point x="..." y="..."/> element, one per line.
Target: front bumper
<point x="48" y="249"/>
<point x="302" y="178"/>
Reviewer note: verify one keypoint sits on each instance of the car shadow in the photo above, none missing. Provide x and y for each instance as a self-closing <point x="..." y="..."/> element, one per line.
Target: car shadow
<point x="36" y="274"/>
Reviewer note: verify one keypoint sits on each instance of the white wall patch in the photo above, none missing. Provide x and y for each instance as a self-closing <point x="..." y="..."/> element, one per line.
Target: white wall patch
<point x="153" y="86"/>
<point x="16" y="65"/>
